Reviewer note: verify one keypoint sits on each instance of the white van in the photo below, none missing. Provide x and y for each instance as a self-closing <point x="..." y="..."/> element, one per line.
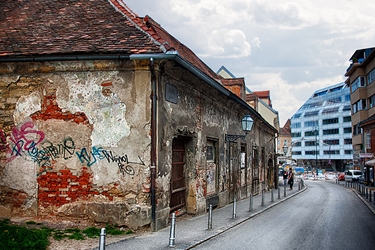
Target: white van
<point x="352" y="175"/>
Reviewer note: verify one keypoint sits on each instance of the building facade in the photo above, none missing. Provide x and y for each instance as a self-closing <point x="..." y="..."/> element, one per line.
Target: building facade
<point x="321" y="130"/>
<point x="115" y="121"/>
<point x="284" y="145"/>
<point x="361" y="81"/>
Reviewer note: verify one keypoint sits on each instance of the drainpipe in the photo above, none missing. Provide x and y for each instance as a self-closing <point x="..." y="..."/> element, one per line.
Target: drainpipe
<point x="153" y="143"/>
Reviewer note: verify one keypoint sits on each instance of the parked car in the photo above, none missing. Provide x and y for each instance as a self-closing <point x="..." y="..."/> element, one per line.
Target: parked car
<point x="341" y="177"/>
<point x="352" y="175"/>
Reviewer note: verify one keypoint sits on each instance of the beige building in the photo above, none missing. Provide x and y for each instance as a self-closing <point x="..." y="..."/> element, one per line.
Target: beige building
<point x="259" y="100"/>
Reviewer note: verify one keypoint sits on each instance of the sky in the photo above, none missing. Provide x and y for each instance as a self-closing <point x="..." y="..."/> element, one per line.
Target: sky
<point x="291" y="48"/>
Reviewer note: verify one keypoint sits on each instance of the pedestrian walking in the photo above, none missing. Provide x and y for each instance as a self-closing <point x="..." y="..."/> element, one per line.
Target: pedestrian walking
<point x="291" y="178"/>
<point x="285" y="177"/>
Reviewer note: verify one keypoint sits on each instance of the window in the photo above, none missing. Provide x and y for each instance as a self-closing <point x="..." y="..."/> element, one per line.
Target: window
<point x="330" y="121"/>
<point x="354" y="108"/>
<point x="357" y="130"/>
<point x="297" y="144"/>
<point x="310" y="143"/>
<point x="346" y="108"/>
<point x="334" y="100"/>
<point x="331" y="131"/>
<point x="311" y="124"/>
<point x="296" y="153"/>
<point x="330" y="110"/>
<point x="321" y="93"/>
<point x="360" y="105"/>
<point x="336" y="89"/>
<point x="348" y="141"/>
<point x="296" y="134"/>
<point x="358" y="82"/>
<point x="347" y="118"/>
<point x="312" y="152"/>
<point x="363" y="104"/>
<point x="347" y="98"/>
<point x="296" y="125"/>
<point x="348" y="152"/>
<point x="371" y="77"/>
<point x="211" y="151"/>
<point x="347" y="130"/>
<point x="331" y="142"/>
<point x="297" y="116"/>
<point x="312" y="113"/>
<point x="372" y="101"/>
<point x="331" y="152"/>
<point x="311" y="133"/>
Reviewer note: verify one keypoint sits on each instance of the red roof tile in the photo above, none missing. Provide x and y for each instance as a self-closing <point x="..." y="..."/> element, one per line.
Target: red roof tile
<point x="69" y="26"/>
<point x="171" y="43"/>
<point x="32" y="28"/>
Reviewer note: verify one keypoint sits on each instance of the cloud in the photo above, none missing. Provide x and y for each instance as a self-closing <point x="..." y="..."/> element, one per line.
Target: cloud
<point x="225" y="43"/>
<point x="256" y="42"/>
<point x="289" y="47"/>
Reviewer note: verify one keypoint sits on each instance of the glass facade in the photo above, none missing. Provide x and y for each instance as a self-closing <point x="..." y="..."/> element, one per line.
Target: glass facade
<point x="321" y="130"/>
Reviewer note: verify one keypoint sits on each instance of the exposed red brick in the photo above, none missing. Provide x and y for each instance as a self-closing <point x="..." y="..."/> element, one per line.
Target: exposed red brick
<point x="62" y="187"/>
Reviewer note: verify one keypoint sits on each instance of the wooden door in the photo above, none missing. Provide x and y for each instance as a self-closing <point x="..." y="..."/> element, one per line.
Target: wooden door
<point x="177" y="184"/>
<point x="233" y="171"/>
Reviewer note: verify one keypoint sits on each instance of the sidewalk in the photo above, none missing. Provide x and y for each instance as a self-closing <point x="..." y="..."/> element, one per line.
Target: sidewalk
<point x="191" y="232"/>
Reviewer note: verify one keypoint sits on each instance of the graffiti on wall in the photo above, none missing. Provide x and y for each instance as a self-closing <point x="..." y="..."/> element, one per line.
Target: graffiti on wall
<point x="29" y="141"/>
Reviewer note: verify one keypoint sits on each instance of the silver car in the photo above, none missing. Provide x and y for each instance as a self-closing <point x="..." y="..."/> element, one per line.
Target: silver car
<point x="352" y="175"/>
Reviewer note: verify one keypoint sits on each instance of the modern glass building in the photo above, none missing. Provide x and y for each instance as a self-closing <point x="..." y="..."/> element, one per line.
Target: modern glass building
<point x="322" y="131"/>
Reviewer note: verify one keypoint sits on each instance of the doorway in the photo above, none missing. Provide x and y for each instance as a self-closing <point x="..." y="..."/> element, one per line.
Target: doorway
<point x="177" y="183"/>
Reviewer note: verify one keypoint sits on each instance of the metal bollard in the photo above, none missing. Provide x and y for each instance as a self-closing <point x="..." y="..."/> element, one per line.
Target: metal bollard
<point x="234" y="208"/>
<point x="172" y="232"/>
<point x="272" y="199"/>
<point x="278" y="193"/>
<point x="251" y="207"/>
<point x="366" y="193"/>
<point x="102" y="239"/>
<point x="284" y="191"/>
<point x="210" y="218"/>
<point x="370" y="197"/>
<point x="262" y="198"/>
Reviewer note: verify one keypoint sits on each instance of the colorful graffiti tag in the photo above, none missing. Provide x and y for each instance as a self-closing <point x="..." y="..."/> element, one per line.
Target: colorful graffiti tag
<point x="31" y="142"/>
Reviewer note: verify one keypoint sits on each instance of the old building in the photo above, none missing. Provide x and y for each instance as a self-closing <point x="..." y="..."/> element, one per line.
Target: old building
<point x="106" y="117"/>
<point x="284" y="145"/>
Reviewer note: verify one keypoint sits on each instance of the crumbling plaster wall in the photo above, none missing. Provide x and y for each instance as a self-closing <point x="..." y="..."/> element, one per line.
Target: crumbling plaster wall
<point x="75" y="140"/>
<point x="200" y="113"/>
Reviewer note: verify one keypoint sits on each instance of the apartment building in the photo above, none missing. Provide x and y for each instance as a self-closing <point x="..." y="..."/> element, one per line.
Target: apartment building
<point x="361" y="80"/>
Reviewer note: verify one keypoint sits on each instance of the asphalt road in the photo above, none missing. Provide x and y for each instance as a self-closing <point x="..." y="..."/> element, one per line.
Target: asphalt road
<point x="325" y="216"/>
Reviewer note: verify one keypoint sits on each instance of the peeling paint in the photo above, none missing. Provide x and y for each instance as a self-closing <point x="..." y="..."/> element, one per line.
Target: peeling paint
<point x="27" y="105"/>
<point x="105" y="113"/>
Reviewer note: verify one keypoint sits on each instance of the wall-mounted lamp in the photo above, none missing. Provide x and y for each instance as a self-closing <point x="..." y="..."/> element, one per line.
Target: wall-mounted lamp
<point x="247" y="124"/>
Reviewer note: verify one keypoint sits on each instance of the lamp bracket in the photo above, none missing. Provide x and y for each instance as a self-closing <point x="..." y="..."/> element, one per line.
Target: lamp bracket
<point x="232" y="138"/>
